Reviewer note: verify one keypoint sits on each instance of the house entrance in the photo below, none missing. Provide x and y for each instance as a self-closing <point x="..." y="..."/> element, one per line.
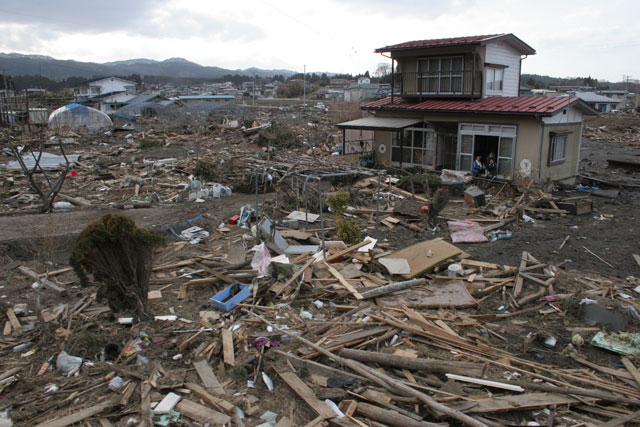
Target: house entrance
<point x="476" y="139"/>
<point x="485" y="146"/>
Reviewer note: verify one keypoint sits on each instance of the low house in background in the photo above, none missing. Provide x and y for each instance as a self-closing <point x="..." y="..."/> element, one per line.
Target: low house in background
<point x="361" y="91"/>
<point x="102" y="87"/>
<point x="600" y="103"/>
<point x="192" y="99"/>
<point x="458" y="98"/>
<point x="623" y="97"/>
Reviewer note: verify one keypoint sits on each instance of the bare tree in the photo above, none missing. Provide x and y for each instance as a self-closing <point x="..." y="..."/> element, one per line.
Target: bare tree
<point x="46" y="184"/>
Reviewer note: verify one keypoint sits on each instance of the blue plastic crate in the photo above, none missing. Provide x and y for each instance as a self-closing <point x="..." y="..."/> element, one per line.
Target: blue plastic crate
<point x="221" y="301"/>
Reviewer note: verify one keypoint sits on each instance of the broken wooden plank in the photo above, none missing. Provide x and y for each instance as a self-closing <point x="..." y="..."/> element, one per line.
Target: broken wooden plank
<point x="227" y="347"/>
<point x="348" y="286"/>
<point x="487" y="383"/>
<point x="517" y="289"/>
<point x="346" y="251"/>
<point x="306" y="394"/>
<point x="621" y="420"/>
<point x="15" y="324"/>
<point x="631" y="368"/>
<point x="216" y="402"/>
<point x="520" y="402"/>
<point x="201" y="413"/>
<point x="78" y="416"/>
<point x="390" y="417"/>
<point x="207" y="376"/>
<point x="393" y="287"/>
<point x="417" y="364"/>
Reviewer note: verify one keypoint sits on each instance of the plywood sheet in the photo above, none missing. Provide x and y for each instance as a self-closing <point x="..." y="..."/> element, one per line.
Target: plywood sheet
<point x="424" y="256"/>
<point x="452" y="294"/>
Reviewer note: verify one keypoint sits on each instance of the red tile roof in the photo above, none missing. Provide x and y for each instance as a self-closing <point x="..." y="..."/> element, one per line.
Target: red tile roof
<point x="457" y="41"/>
<point x="454" y="41"/>
<point x="493" y="104"/>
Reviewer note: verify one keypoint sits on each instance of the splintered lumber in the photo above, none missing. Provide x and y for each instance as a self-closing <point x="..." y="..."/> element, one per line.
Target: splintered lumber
<point x="488" y="383"/>
<point x="306" y="394"/>
<point x="15" y="324"/>
<point x="227" y="347"/>
<point x="277" y="288"/>
<point x="390" y="417"/>
<point x="201" y="413"/>
<point x="621" y="420"/>
<point x="216" y="402"/>
<point x="417" y="364"/>
<point x="517" y="289"/>
<point x="345" y="340"/>
<point x="631" y="368"/>
<point x="128" y="392"/>
<point x="393" y="287"/>
<point x="637" y="258"/>
<point x="348" y="286"/>
<point x="520" y="402"/>
<point x="380" y="378"/>
<point x="207" y="376"/>
<point x="346" y="251"/>
<point x="76" y="417"/>
<point x="597" y="256"/>
<point x="426" y="255"/>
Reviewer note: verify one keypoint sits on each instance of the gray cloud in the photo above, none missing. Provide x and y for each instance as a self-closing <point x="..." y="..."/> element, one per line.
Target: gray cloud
<point x="429" y="10"/>
<point x="48" y="20"/>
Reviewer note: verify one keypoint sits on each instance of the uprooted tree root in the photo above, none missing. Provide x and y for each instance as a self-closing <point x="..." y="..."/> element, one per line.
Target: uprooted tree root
<point x="119" y="256"/>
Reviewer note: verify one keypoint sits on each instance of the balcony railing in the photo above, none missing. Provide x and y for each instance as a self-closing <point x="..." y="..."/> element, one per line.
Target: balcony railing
<point x="463" y="83"/>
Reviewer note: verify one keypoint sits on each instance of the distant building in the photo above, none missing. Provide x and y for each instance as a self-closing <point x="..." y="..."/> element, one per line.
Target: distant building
<point x="623" y="97"/>
<point x="600" y="103"/>
<point x="102" y="87"/>
<point x="205" y="98"/>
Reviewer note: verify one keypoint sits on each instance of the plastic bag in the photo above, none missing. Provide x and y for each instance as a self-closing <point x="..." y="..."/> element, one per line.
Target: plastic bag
<point x="67" y="364"/>
<point x="261" y="259"/>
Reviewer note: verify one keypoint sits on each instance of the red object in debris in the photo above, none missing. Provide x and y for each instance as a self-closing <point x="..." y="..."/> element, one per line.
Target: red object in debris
<point x="335" y="261"/>
<point x="424" y="209"/>
<point x="73" y="173"/>
<point x="234" y="219"/>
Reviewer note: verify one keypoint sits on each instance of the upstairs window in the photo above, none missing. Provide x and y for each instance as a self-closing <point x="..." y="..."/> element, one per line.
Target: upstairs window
<point x="557" y="147"/>
<point x="495" y="79"/>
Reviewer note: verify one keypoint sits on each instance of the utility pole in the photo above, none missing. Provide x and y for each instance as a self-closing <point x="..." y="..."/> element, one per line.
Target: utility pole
<point x="304" y="87"/>
<point x="254" y="88"/>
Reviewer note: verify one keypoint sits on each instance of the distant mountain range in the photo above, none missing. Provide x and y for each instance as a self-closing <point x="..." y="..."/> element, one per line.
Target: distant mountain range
<point x="15" y="64"/>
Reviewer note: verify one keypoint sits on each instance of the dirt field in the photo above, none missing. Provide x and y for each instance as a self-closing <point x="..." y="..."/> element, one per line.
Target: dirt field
<point x="610" y="232"/>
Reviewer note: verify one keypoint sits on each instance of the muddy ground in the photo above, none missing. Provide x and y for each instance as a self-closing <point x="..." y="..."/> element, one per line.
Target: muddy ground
<point x="31" y="239"/>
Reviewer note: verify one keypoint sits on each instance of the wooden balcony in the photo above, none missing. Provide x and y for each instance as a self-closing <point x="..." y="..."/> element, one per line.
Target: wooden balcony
<point x="441" y="84"/>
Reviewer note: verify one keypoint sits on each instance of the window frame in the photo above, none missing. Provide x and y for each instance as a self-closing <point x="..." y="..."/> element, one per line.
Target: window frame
<point x="491" y="83"/>
<point x="554" y="137"/>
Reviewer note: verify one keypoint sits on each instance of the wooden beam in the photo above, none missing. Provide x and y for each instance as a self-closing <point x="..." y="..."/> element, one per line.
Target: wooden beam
<point x="207" y="376"/>
<point x="76" y="417"/>
<point x="202" y="414"/>
<point x="216" y="402"/>
<point x="227" y="347"/>
<point x="306" y="394"/>
<point x="348" y="286"/>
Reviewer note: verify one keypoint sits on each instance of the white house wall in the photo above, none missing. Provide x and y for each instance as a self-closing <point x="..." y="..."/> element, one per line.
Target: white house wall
<point x="572" y="115"/>
<point x="503" y="54"/>
<point x="113" y="85"/>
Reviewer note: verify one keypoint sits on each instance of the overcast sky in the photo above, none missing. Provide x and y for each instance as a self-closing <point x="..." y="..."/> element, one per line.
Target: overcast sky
<point x="572" y="38"/>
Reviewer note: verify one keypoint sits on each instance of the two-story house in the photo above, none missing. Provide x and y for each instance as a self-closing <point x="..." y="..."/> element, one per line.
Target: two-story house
<point x="106" y="94"/>
<point x="458" y="98"/>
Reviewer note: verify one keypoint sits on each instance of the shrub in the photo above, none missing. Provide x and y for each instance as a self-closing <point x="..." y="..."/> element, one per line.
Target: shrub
<point x="205" y="171"/>
<point x="277" y="135"/>
<point x="339" y="201"/>
<point x="421" y="183"/>
<point x="147" y="144"/>
<point x="119" y="256"/>
<point x="349" y="231"/>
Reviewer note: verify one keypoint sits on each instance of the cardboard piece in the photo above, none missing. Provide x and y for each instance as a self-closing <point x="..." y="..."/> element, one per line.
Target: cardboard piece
<point x="424" y="256"/>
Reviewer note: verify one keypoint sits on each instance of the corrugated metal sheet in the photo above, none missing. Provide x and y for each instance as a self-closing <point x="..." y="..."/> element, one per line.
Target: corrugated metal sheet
<point x="379" y="123"/>
<point x="453" y="41"/>
<point x="494" y="104"/>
